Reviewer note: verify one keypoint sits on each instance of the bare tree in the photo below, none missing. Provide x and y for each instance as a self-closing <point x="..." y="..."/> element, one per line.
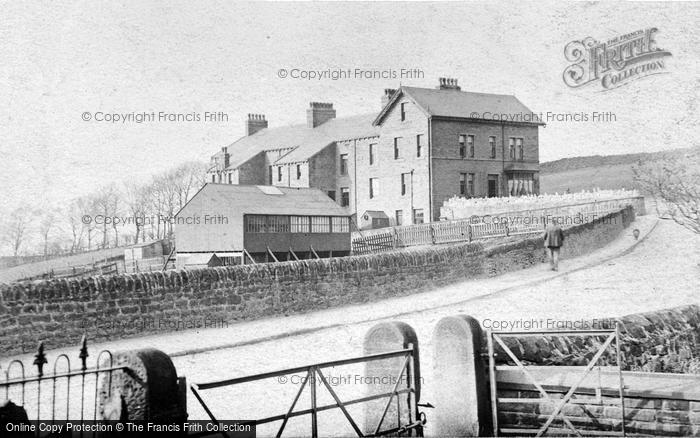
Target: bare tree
<point x="116" y="208"/>
<point x="675" y="184"/>
<point x="188" y="178"/>
<point x="169" y="196"/>
<point x="106" y="201"/>
<point x="46" y="226"/>
<point x="86" y="209"/>
<point x="76" y="224"/>
<point x="15" y="230"/>
<point x="137" y="203"/>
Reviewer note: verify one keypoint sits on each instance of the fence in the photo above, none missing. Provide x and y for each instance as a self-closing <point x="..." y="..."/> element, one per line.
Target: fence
<point x="108" y="267"/>
<point x="485" y="227"/>
<point x="61" y="393"/>
<point x="145" y="265"/>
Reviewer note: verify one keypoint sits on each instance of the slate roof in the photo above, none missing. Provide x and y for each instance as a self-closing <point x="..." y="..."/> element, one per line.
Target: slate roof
<point x="250" y="199"/>
<point x="333" y="130"/>
<point x="306" y="141"/>
<point x="459" y="104"/>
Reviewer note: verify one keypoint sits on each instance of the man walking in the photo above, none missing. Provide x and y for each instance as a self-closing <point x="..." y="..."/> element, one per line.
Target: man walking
<point x="553" y="240"/>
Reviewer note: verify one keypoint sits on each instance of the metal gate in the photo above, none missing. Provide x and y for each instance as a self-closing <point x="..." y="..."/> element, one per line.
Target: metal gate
<point x="495" y="337"/>
<point x="314" y="374"/>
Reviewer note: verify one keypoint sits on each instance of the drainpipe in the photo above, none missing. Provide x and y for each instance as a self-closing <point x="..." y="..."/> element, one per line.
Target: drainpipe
<point x="504" y="185"/>
<point x="354" y="188"/>
<point x="412" y="197"/>
<point x="430" y="168"/>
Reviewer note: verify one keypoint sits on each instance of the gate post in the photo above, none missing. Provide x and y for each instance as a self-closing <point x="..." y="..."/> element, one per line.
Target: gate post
<point x="462" y="405"/>
<point x="380" y="376"/>
<point x="148" y="390"/>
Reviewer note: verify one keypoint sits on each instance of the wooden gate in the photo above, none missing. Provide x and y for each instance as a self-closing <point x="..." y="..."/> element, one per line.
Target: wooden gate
<point x="497" y="338"/>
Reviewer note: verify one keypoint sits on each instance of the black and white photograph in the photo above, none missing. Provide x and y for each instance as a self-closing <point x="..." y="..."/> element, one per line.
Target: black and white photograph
<point x="349" y="219"/>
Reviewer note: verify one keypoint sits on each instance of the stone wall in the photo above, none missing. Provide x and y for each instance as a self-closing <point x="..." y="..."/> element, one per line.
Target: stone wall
<point x="59" y="312"/>
<point x="660" y="341"/>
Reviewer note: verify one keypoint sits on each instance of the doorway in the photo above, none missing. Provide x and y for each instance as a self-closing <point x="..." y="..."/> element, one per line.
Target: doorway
<point x="493" y="186"/>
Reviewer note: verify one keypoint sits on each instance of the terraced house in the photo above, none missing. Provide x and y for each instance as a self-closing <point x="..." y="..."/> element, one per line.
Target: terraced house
<point x="397" y="166"/>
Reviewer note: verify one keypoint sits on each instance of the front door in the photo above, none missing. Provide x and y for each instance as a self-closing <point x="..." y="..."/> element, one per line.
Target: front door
<point x="493" y="186"/>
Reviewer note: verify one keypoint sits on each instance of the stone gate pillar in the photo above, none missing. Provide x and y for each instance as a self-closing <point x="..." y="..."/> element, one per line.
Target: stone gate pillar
<point x="381" y="375"/>
<point x="461" y="396"/>
<point x="148" y="390"/>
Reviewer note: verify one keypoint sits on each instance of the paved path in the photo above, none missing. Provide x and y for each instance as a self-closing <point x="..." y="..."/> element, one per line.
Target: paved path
<point x="659" y="271"/>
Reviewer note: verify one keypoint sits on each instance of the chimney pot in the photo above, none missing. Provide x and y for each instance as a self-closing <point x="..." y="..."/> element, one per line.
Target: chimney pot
<point x="448" y="84"/>
<point x="319" y="113"/>
<point x="255" y="123"/>
<point x="386" y="97"/>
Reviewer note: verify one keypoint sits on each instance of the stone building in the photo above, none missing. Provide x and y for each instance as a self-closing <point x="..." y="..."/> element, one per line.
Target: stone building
<point x="399" y="165"/>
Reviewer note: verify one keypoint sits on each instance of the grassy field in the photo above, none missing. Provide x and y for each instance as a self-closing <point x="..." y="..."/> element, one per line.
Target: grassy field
<point x="616" y="176"/>
<point x="600" y="172"/>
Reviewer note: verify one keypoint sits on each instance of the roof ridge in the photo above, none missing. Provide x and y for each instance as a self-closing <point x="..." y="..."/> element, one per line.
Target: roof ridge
<point x="458" y="91"/>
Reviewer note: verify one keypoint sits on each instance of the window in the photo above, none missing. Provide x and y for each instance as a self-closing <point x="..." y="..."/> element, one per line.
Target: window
<point x="213" y="178"/>
<point x="320" y="224"/>
<point x="511" y="148"/>
<point x="343" y="164"/>
<point x="399" y="217"/>
<point x="462" y="146"/>
<point x="230" y="179"/>
<point x="397" y="152"/>
<point x="403" y="184"/>
<point x="344" y="196"/>
<point x="492" y="145"/>
<point x="331" y="194"/>
<point x="520" y="184"/>
<point x="269" y="175"/>
<point x="403" y="111"/>
<point x="419" y="144"/>
<point x="340" y="225"/>
<point x="372" y="147"/>
<point x="462" y="184"/>
<point x="470" y="184"/>
<point x="372" y="188"/>
<point x="417" y="215"/>
<point x="256" y="224"/>
<point x="299" y="224"/>
<point x="519" y="144"/>
<point x="279" y="173"/>
<point x="298" y="171"/>
<point x="470" y="145"/>
<point x="278" y="224"/>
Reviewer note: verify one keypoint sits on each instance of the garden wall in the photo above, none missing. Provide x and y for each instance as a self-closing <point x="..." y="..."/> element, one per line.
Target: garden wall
<point x="60" y="311"/>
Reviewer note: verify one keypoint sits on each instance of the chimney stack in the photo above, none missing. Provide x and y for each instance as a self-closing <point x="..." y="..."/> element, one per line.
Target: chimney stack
<point x="388" y="92"/>
<point x="448" y="84"/>
<point x="255" y="123"/>
<point x="319" y="113"/>
<point x="227" y="156"/>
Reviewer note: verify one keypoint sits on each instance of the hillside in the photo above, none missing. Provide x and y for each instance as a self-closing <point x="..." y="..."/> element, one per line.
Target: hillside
<point x="603" y="172"/>
<point x="566" y="164"/>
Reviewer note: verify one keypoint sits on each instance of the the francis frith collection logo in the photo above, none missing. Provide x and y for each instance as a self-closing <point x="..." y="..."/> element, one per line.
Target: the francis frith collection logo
<point x="614" y="62"/>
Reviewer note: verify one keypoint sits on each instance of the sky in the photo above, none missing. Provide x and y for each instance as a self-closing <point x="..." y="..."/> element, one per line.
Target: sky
<point x="61" y="60"/>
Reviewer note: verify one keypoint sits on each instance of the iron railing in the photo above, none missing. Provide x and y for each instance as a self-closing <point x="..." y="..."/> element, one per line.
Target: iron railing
<point x="41" y="394"/>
